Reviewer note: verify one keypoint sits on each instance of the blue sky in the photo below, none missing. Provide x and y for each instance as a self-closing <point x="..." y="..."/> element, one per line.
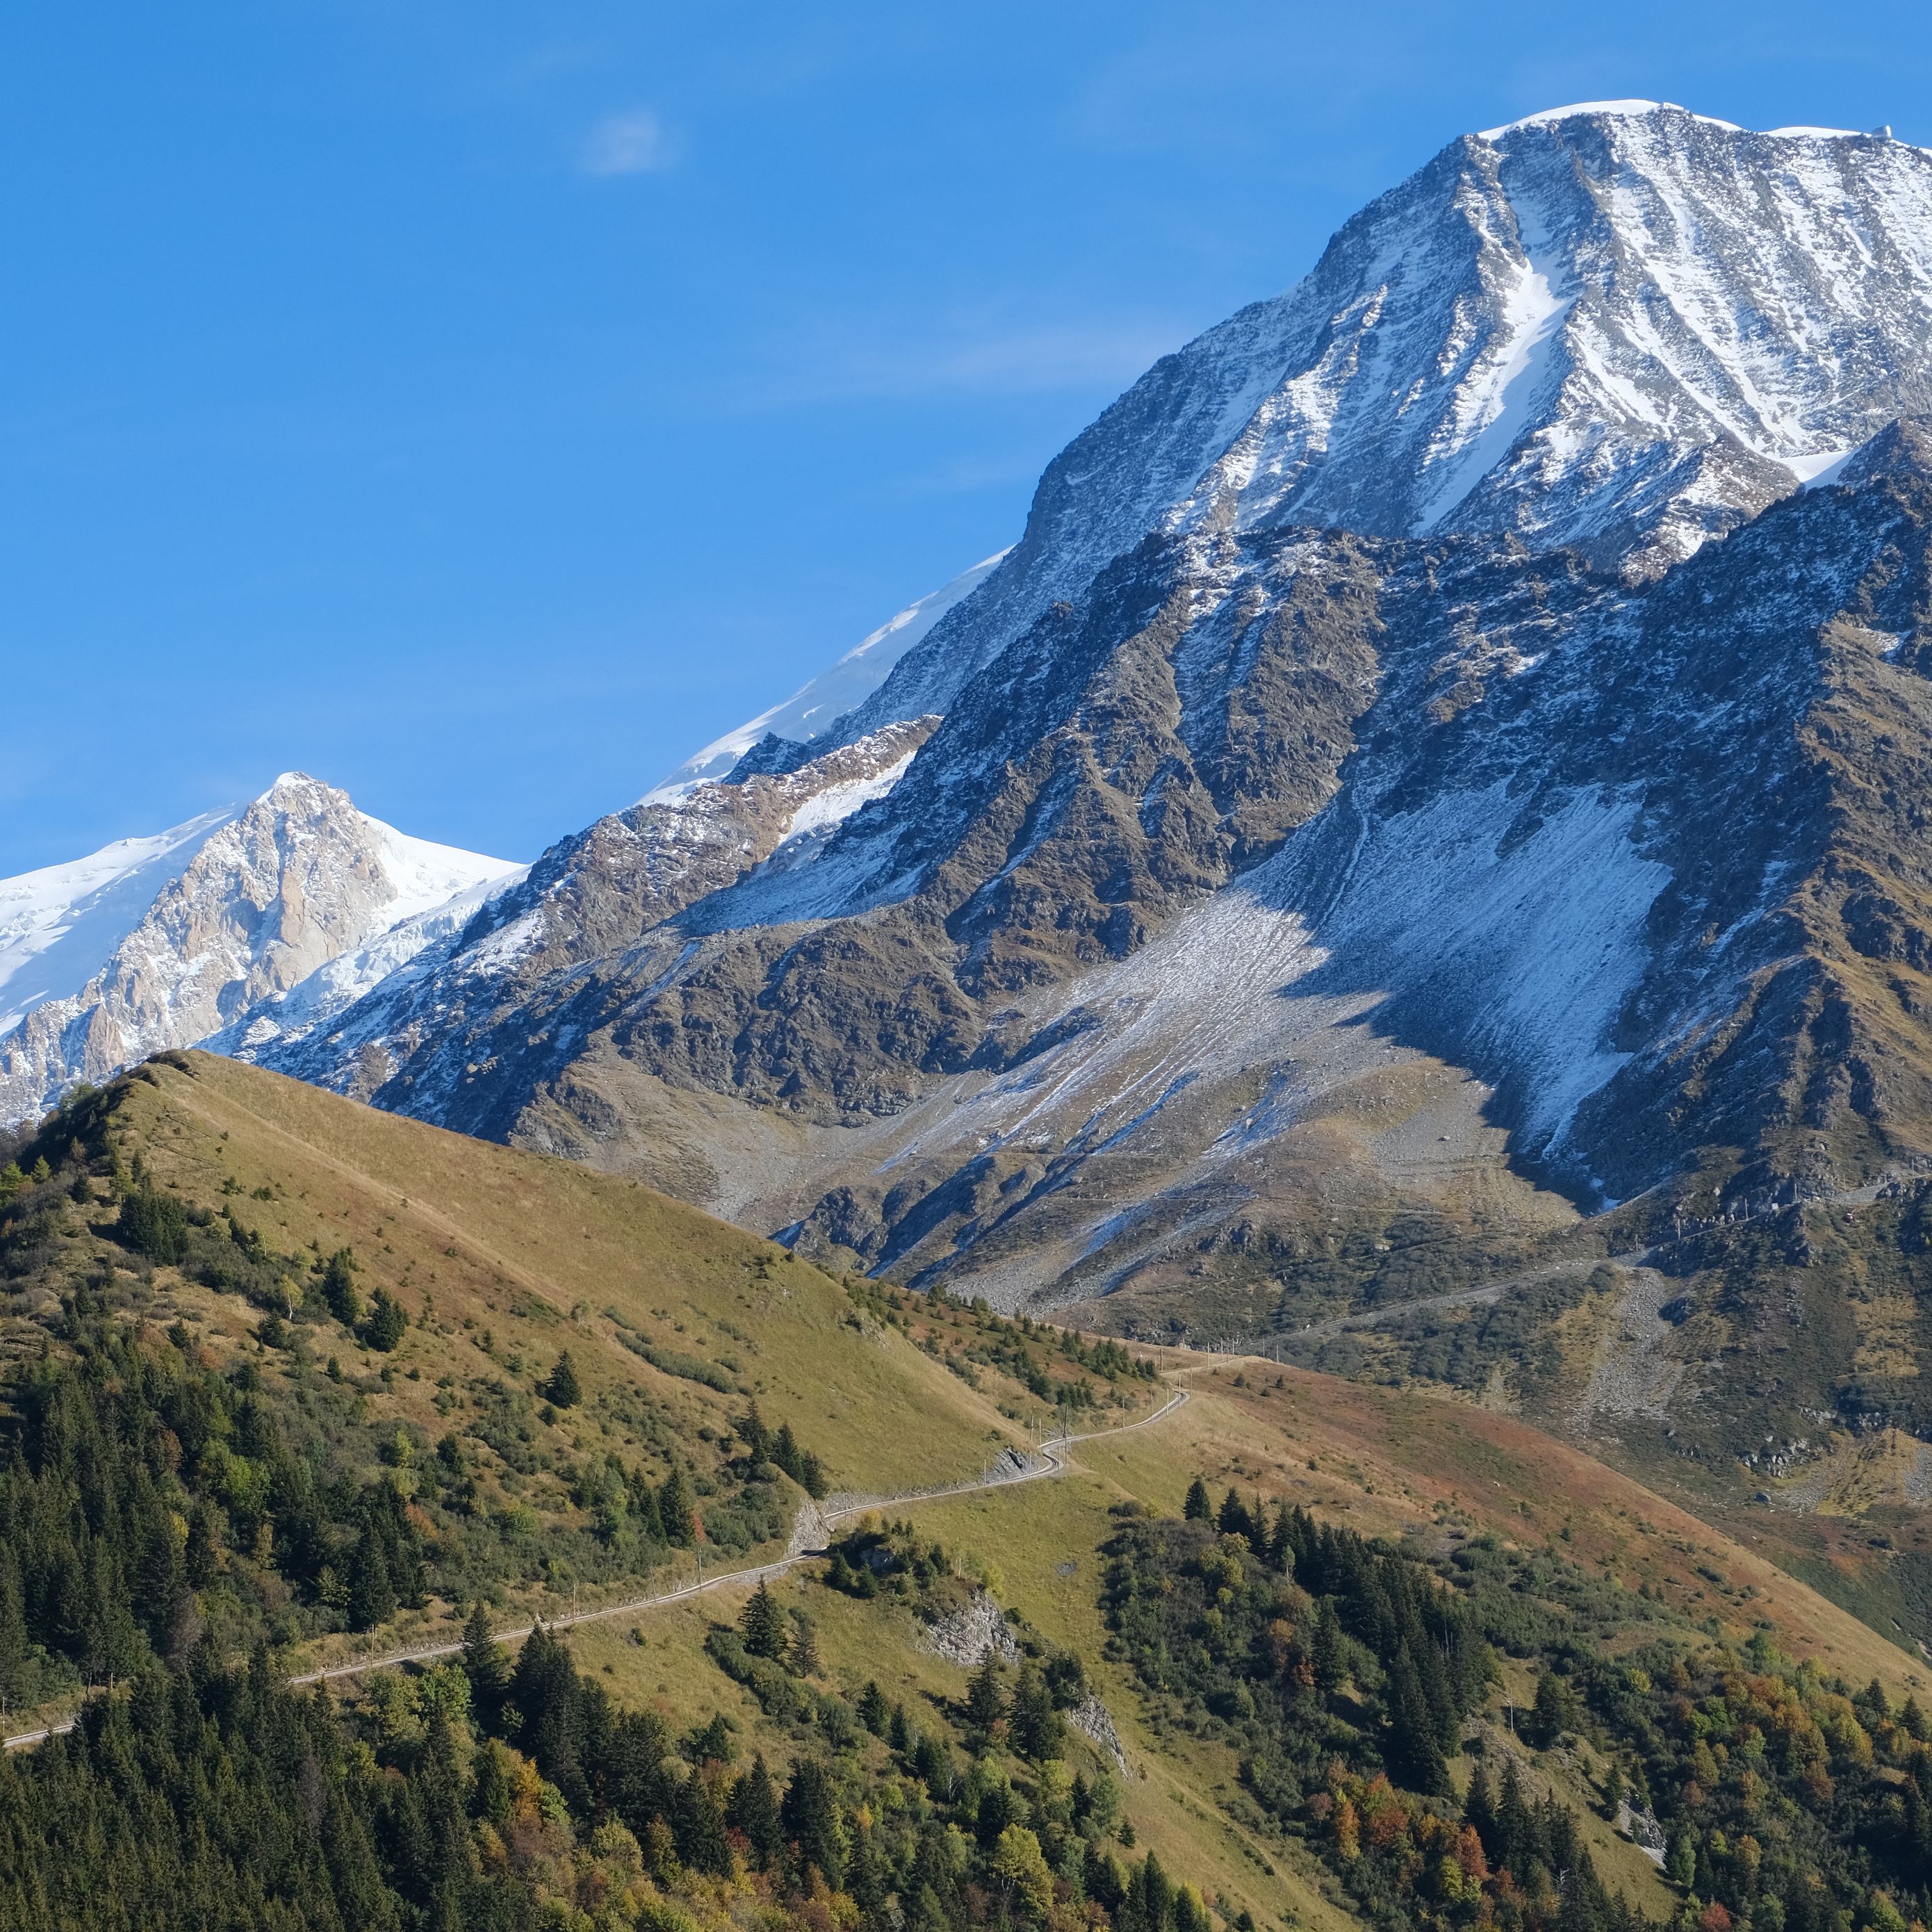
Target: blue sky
<point x="481" y="406"/>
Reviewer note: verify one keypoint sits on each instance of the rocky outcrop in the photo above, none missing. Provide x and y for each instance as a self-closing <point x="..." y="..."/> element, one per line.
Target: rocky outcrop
<point x="268" y="899"/>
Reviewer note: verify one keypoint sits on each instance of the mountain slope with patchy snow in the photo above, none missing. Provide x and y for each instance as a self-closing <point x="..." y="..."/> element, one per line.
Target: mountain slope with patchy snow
<point x="1449" y="734"/>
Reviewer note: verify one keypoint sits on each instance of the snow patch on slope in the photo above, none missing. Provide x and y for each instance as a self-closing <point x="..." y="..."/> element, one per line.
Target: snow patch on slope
<point x="59" y="925"/>
<point x="1533" y="944"/>
<point x="810" y="710"/>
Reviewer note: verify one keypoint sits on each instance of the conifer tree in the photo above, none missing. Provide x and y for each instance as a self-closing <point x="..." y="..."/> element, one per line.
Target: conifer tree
<point x="563" y="1389"/>
<point x="811" y="1815"/>
<point x="1414" y="1749"/>
<point x="754" y="1810"/>
<point x="1280" y="1546"/>
<point x="1233" y="1519"/>
<point x="382" y="1329"/>
<point x="1037" y="1732"/>
<point x="677" y="1507"/>
<point x="1196" y="1508"/>
<point x="372" y="1594"/>
<point x="803" y="1655"/>
<point x="873" y="1712"/>
<point x="984" y="1701"/>
<point x="1325" y="1650"/>
<point x="1479" y="1809"/>
<point x="1516" y="1829"/>
<point x="762" y="1624"/>
<point x="338" y="1288"/>
<point x="483" y="1664"/>
<point x="698" y="1826"/>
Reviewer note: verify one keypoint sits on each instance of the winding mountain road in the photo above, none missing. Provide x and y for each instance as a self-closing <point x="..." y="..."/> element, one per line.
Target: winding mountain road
<point x="1052" y="1460"/>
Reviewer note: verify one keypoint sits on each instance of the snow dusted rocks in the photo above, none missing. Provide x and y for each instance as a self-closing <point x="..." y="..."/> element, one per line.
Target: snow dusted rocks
<point x="163" y="942"/>
<point x="589" y="901"/>
<point x="1452" y="734"/>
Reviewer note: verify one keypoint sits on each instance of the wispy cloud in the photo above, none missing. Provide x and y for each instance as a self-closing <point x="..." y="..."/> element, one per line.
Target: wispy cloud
<point x="634" y="143"/>
<point x="854" y="360"/>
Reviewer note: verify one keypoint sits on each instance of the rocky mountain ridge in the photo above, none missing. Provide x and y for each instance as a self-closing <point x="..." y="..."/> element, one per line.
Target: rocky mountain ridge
<point x="1444" y="757"/>
<point x="210" y="930"/>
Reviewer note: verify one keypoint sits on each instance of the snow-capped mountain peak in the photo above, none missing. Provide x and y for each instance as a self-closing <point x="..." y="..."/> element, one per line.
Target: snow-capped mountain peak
<point x="162" y="941"/>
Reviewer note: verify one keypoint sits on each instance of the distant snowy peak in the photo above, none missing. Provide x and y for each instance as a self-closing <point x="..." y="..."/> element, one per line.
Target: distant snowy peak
<point x="59" y="925"/>
<point x="812" y="710"/>
<point x="162" y="942"/>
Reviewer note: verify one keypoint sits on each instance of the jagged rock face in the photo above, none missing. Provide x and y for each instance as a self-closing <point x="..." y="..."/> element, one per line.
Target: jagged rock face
<point x="1623" y="330"/>
<point x="268" y="898"/>
<point x="1366" y="760"/>
<point x="590" y="899"/>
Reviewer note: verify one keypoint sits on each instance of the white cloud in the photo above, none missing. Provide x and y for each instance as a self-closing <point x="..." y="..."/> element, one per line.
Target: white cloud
<point x="864" y="358"/>
<point x="633" y="143"/>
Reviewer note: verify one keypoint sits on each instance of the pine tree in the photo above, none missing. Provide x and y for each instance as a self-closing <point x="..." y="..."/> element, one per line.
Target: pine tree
<point x="752" y="1432"/>
<point x="873" y="1713"/>
<point x="762" y="1624"/>
<point x="803" y="1656"/>
<point x="483" y="1664"/>
<point x="1415" y="1752"/>
<point x="1196" y="1508"/>
<point x="563" y="1389"/>
<point x="698" y="1826"/>
<point x="677" y="1507"/>
<point x="754" y="1810"/>
<point x="383" y="1328"/>
<point x="984" y="1701"/>
<point x="811" y="1817"/>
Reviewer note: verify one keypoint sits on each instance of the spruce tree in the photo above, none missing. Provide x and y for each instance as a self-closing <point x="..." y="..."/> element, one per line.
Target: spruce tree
<point x="677" y="1506"/>
<point x="1037" y="1732"/>
<point x="1479" y="1809"/>
<point x="1325" y="1652"/>
<point x="1415" y="1752"/>
<point x="754" y="1810"/>
<point x="1516" y="1829"/>
<point x="483" y="1665"/>
<point x="338" y="1288"/>
<point x="563" y="1389"/>
<point x="383" y="1328"/>
<point x="1196" y="1508"/>
<point x="803" y="1655"/>
<point x="762" y="1624"/>
<point x="984" y="1701"/>
<point x="372" y="1594"/>
<point x="698" y="1826"/>
<point x="811" y="1815"/>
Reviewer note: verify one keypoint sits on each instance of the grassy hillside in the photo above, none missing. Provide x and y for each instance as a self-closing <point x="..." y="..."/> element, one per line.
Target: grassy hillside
<point x="261" y="1345"/>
